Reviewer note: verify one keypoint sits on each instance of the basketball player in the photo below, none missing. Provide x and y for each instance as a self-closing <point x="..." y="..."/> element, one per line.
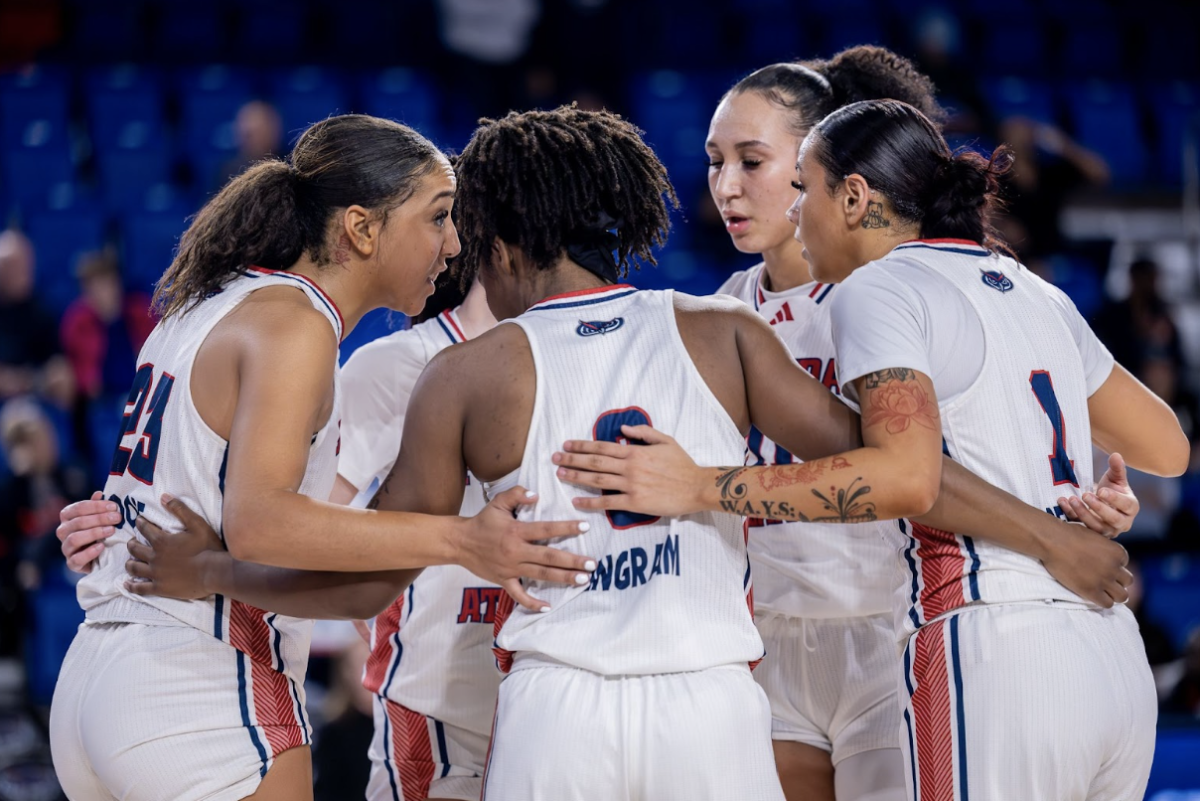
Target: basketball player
<point x="822" y="599"/>
<point x="1002" y="664"/>
<point x="235" y="409"/>
<point x="430" y="667"/>
<point x="662" y="622"/>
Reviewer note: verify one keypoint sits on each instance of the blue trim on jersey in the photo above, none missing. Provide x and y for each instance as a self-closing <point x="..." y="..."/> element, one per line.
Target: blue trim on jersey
<point x="593" y="302"/>
<point x="825" y="294"/>
<point x="946" y="448"/>
<point x="912" y="756"/>
<point x="387" y="750"/>
<point x="912" y="568"/>
<point x="973" y="576"/>
<point x="446" y="328"/>
<point x="275" y="650"/>
<point x="303" y="714"/>
<point x="395" y="665"/>
<point x="219" y="602"/>
<point x="746" y="578"/>
<point x="443" y="755"/>
<point x="244" y="703"/>
<point x="411" y="595"/>
<point x="962" y="725"/>
<point x="914" y="246"/>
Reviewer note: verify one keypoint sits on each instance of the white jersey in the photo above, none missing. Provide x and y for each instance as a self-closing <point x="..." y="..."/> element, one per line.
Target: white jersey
<point x="166" y="447"/>
<point x="430" y="650"/>
<point x="667" y="595"/>
<point x="1022" y="424"/>
<point x="810" y="570"/>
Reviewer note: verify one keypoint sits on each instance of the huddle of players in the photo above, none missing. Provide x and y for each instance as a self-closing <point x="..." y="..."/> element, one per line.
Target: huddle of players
<point x="672" y="650"/>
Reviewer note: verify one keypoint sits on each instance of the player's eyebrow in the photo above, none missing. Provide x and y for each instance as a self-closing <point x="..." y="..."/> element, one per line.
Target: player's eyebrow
<point x="444" y="193"/>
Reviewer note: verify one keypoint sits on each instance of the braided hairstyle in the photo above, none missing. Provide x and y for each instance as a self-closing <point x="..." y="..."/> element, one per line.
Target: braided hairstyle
<point x="811" y="90"/>
<point x="535" y="179"/>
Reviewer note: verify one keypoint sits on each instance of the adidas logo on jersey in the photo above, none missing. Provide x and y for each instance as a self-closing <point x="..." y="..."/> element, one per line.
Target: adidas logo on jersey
<point x="997" y="280"/>
<point x="590" y="328"/>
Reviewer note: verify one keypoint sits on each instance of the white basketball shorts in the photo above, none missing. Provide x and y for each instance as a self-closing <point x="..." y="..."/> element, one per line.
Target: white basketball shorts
<point x="415" y="757"/>
<point x="146" y="713"/>
<point x="564" y="734"/>
<point x="831" y="683"/>
<point x="1039" y="702"/>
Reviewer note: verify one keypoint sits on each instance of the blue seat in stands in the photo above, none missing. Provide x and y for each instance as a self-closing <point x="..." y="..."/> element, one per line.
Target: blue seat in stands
<point x="1172" y="594"/>
<point x="1017" y="48"/>
<point x="402" y="94"/>
<point x="1176" y="107"/>
<point x="1013" y="96"/>
<point x="1093" y="49"/>
<point x="60" y="236"/>
<point x="123" y="102"/>
<point x="1107" y="121"/>
<point x="210" y="97"/>
<point x="128" y="172"/>
<point x="148" y="245"/>
<point x="33" y="96"/>
<point x="31" y="168"/>
<point x="305" y="95"/>
<point x="269" y="31"/>
<point x="188" y="31"/>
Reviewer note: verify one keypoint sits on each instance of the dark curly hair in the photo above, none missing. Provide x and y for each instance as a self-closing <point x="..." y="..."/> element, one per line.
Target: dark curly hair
<point x="811" y="90"/>
<point x="536" y="179"/>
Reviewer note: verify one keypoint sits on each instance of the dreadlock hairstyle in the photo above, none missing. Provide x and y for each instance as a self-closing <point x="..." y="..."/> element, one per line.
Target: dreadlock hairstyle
<point x="277" y="211"/>
<point x="541" y="180"/>
<point x="810" y="90"/>
<point x="901" y="154"/>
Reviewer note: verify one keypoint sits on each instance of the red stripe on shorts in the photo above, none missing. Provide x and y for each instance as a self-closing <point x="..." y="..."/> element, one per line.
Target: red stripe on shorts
<point x="383" y="650"/>
<point x="942" y="565"/>
<point x="931" y="713"/>
<point x="504" y="658"/>
<point x="411" y="751"/>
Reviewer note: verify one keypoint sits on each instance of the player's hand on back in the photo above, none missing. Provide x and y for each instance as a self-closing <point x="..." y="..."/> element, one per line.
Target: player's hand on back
<point x="1093" y="567"/>
<point x="1112" y="508"/>
<point x="655" y="478"/>
<point x="82" y="529"/>
<point x="499" y="548"/>
<point x="174" y="565"/>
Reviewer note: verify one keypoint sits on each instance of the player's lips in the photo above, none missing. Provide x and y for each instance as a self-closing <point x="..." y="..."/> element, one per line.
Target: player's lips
<point x="736" y="224"/>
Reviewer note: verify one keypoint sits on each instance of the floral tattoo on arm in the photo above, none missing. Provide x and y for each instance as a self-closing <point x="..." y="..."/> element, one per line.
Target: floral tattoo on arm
<point x="896" y="400"/>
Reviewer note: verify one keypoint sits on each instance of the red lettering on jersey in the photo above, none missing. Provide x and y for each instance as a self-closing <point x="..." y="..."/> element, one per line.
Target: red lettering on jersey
<point x="470" y="612"/>
<point x="813" y="366"/>
<point x="491" y="599"/>
<point x="830" y="378"/>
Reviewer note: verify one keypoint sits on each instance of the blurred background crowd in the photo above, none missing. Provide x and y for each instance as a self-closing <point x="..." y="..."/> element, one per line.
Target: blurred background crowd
<point x="118" y="118"/>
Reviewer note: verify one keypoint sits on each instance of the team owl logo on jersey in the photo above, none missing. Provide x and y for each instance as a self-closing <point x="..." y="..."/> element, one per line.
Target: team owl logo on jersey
<point x="997" y="280"/>
<point x="589" y="328"/>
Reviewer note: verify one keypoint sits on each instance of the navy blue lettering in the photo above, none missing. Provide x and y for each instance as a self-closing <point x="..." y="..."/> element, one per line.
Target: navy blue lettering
<point x="622" y="582"/>
<point x="637" y="566"/>
<point x="671" y="555"/>
<point x="628" y="569"/>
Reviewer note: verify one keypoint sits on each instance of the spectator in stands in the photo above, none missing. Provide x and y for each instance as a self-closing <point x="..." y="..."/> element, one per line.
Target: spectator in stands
<point x="103" y="330"/>
<point x="30" y="500"/>
<point x="259" y="132"/>
<point x="341" y="768"/>
<point x="29" y="353"/>
<point x="1140" y="328"/>
<point x="1048" y="167"/>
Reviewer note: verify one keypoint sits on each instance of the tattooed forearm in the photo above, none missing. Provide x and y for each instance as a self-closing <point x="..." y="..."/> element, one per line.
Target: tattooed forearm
<point x="894" y="398"/>
<point x="875" y="218"/>
<point x="847" y="504"/>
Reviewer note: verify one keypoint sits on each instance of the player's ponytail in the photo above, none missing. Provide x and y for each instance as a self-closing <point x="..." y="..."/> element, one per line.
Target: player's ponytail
<point x="901" y="155"/>
<point x="276" y="211"/>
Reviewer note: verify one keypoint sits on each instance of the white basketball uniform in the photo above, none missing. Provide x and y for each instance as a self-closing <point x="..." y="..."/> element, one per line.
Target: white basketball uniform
<point x="431" y="668"/>
<point x="822" y="592"/>
<point x="160" y="698"/>
<point x="1014" y="686"/>
<point x="635" y="686"/>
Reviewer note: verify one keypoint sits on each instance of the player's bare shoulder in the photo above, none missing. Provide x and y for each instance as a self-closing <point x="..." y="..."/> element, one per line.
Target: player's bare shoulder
<point x="497" y="363"/>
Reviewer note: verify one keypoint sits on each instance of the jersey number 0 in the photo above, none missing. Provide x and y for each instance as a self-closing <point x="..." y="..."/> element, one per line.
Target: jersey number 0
<point x="608" y="429"/>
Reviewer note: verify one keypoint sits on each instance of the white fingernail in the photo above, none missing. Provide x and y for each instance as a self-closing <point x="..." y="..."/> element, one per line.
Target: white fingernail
<point x="530" y="493"/>
<point x="582" y="578"/>
<point x="589" y="565"/>
<point x="585" y="526"/>
<point x="544" y="609"/>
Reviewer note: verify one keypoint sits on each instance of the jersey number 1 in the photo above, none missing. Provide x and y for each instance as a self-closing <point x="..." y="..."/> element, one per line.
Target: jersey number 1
<point x="608" y="429"/>
<point x="1061" y="466"/>
<point x="139" y="460"/>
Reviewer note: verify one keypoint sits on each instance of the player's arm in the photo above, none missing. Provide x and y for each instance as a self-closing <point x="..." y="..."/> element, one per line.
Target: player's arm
<point x="284" y="368"/>
<point x="1130" y="419"/>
